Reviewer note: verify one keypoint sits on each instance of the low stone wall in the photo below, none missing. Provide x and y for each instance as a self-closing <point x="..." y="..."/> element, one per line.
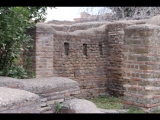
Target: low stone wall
<point x="18" y="101"/>
<point x="50" y="90"/>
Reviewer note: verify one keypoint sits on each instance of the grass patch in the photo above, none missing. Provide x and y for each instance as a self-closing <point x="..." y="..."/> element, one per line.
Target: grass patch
<point x="134" y="109"/>
<point x="156" y="111"/>
<point x="107" y="102"/>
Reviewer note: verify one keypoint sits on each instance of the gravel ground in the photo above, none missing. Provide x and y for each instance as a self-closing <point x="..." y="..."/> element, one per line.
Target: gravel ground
<point x="112" y="111"/>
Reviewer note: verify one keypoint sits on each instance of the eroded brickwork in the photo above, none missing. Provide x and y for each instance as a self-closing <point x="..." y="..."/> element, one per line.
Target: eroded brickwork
<point x="141" y="66"/>
<point x="92" y="57"/>
<point x="114" y="59"/>
<point x="85" y="65"/>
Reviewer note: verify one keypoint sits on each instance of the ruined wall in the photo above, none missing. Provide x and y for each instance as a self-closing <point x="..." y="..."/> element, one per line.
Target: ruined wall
<point x="141" y="66"/>
<point x="64" y="28"/>
<point x="58" y="22"/>
<point x="42" y="52"/>
<point x="85" y="26"/>
<point x="114" y="60"/>
<point x="85" y="65"/>
<point x="91" y="56"/>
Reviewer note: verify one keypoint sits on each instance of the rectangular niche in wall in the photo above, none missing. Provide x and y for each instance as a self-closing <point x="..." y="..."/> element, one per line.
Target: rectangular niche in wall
<point x="66" y="48"/>
<point x="85" y="49"/>
<point x="100" y="49"/>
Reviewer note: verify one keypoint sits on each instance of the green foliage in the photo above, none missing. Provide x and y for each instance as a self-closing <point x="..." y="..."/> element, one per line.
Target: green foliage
<point x="135" y="109"/>
<point x="13" y="24"/>
<point x="58" y="106"/>
<point x="27" y="65"/>
<point x="107" y="102"/>
<point x="156" y="111"/>
<point x="14" y="71"/>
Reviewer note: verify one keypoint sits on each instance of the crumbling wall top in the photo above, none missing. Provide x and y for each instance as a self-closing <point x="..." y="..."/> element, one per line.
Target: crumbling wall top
<point x="85" y="26"/>
<point x="154" y="20"/>
<point x="143" y="26"/>
<point x="44" y="27"/>
<point x="144" y="21"/>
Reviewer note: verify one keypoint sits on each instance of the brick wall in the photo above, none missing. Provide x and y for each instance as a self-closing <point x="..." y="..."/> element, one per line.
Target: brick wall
<point x="42" y="51"/>
<point x="89" y="70"/>
<point x="98" y="72"/>
<point x="141" y="66"/>
<point x="114" y="59"/>
<point x="41" y="54"/>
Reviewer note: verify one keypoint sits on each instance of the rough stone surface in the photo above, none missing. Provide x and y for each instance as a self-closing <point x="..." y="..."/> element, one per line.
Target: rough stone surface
<point x="82" y="106"/>
<point x="154" y="20"/>
<point x="37" y="84"/>
<point x="50" y="90"/>
<point x="85" y="26"/>
<point x="18" y="101"/>
<point x="64" y="28"/>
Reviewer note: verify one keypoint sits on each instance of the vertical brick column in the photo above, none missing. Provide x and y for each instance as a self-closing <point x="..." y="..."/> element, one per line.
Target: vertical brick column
<point x="114" y="57"/>
<point x="141" y="66"/>
<point x="44" y="51"/>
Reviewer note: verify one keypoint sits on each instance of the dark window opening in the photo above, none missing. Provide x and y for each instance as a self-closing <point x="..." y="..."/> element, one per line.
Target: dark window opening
<point x="85" y="49"/>
<point x="100" y="49"/>
<point x="66" y="48"/>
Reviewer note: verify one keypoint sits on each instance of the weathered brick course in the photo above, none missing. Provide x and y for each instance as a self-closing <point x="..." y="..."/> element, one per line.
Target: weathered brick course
<point x="146" y="61"/>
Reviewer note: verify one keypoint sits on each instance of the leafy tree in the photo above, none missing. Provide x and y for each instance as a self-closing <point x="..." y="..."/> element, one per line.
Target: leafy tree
<point x="13" y="24"/>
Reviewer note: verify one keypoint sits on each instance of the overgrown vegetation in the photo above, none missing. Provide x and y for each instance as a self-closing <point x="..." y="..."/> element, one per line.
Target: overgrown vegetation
<point x="107" y="102"/>
<point x="13" y="24"/>
<point x="58" y="106"/>
<point x="156" y="111"/>
<point x="134" y="109"/>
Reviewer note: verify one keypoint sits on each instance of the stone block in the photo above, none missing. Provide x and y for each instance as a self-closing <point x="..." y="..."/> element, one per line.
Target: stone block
<point x="18" y="101"/>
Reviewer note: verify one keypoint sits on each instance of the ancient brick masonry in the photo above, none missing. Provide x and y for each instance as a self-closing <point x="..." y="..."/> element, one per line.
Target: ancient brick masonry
<point x="92" y="57"/>
<point x="89" y="68"/>
<point x="42" y="52"/>
<point x="141" y="66"/>
<point x="114" y="59"/>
